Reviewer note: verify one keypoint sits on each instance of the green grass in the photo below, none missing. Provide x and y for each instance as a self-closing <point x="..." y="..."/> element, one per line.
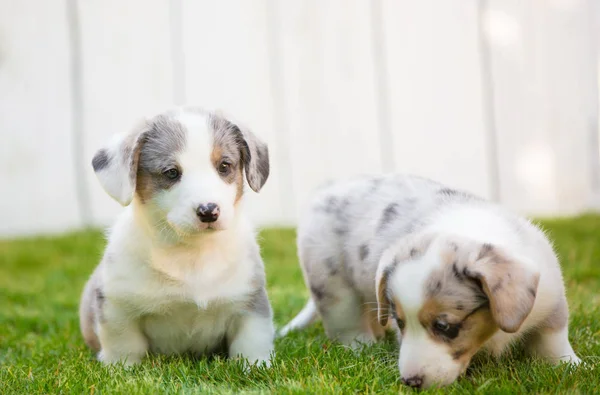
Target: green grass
<point x="41" y="350"/>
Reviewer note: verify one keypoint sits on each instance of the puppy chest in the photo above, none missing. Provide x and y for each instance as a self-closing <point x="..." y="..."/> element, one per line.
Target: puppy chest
<point x="203" y="276"/>
<point x="187" y="328"/>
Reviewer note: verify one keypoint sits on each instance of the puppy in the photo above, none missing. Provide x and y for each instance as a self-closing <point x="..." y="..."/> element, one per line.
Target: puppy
<point x="456" y="273"/>
<point x="182" y="272"/>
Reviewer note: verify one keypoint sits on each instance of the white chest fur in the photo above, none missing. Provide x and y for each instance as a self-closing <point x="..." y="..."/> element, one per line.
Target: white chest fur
<point x="185" y="296"/>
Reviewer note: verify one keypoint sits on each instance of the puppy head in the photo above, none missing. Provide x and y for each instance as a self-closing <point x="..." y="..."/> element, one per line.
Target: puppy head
<point x="449" y="296"/>
<point x="185" y="168"/>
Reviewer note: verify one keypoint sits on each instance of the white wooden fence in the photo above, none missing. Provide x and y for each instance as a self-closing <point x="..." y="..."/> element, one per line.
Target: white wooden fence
<point x="499" y="97"/>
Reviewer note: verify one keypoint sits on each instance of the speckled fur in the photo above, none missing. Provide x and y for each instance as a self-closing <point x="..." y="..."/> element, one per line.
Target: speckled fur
<point x="431" y="252"/>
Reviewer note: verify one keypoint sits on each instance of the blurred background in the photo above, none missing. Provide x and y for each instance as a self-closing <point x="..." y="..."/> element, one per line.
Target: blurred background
<point x="499" y="97"/>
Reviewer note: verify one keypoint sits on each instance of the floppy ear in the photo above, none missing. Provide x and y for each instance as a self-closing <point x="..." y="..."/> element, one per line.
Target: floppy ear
<point x="407" y="248"/>
<point x="116" y="165"/>
<point x="256" y="160"/>
<point x="386" y="267"/>
<point x="509" y="284"/>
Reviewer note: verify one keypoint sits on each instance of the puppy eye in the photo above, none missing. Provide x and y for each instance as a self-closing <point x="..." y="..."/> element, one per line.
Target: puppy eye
<point x="400" y="323"/>
<point x="172" y="174"/>
<point x="445" y="329"/>
<point x="441" y="326"/>
<point x="224" y="167"/>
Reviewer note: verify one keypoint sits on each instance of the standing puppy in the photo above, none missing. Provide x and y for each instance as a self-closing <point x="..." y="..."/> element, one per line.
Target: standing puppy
<point x="182" y="270"/>
<point x="456" y="273"/>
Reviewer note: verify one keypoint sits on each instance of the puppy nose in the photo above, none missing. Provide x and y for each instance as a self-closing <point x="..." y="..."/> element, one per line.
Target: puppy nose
<point x="414" y="381"/>
<point x="208" y="212"/>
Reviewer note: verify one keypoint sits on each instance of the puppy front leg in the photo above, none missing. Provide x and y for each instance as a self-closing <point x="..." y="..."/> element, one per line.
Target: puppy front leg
<point x="554" y="346"/>
<point x="121" y="338"/>
<point x="253" y="339"/>
<point x="252" y="334"/>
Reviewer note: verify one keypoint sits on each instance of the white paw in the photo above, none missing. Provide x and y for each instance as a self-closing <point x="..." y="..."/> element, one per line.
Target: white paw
<point x="261" y="361"/>
<point x="113" y="359"/>
<point x="360" y="341"/>
<point x="251" y="363"/>
<point x="571" y="359"/>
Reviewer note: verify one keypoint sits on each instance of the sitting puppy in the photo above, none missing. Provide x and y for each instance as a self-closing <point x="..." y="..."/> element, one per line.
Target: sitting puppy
<point x="456" y="273"/>
<point x="182" y="272"/>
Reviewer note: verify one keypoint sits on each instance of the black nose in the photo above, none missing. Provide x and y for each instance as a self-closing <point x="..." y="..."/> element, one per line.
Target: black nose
<point x="208" y="212"/>
<point x="414" y="381"/>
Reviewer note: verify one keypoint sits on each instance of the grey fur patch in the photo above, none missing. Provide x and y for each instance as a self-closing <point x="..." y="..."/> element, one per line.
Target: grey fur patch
<point x="453" y="194"/>
<point x="317" y="292"/>
<point x="363" y="252"/>
<point x="332" y="265"/>
<point x="455" y="287"/>
<point x="229" y="138"/>
<point x="335" y="206"/>
<point x="100" y="299"/>
<point x="255" y="153"/>
<point x="340" y="231"/>
<point x="101" y="160"/>
<point x="388" y="215"/>
<point x="448" y="191"/>
<point x="457" y="273"/>
<point x="558" y="318"/>
<point x="387" y="273"/>
<point x="436" y="287"/>
<point x="160" y="144"/>
<point x="229" y="147"/>
<point x="259" y="303"/>
<point x="486" y="249"/>
<point x="375" y="184"/>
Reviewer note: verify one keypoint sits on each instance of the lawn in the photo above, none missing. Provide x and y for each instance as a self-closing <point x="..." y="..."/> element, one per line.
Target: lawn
<point x="41" y="350"/>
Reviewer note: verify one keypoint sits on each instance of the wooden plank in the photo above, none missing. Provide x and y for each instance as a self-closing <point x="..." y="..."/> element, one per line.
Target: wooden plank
<point x="436" y="92"/>
<point x="330" y="91"/>
<point x="545" y="101"/>
<point x="38" y="178"/>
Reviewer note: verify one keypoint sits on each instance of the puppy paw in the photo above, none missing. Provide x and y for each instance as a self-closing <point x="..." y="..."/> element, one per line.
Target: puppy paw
<point x="112" y="359"/>
<point x="571" y="359"/>
<point x="359" y="341"/>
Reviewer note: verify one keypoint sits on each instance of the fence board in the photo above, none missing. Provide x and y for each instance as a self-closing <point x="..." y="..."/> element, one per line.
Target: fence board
<point x="330" y="94"/>
<point x="37" y="177"/>
<point x="435" y="85"/>
<point x="542" y="54"/>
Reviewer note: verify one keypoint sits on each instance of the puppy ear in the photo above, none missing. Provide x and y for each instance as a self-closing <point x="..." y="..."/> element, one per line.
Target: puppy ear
<point x="386" y="267"/>
<point x="116" y="165"/>
<point x="509" y="284"/>
<point x="256" y="160"/>
<point x="410" y="247"/>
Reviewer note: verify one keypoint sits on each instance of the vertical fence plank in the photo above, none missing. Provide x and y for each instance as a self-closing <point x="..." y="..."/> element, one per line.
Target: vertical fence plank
<point x="330" y="93"/>
<point x="127" y="74"/>
<point x="594" y="16"/>
<point x="545" y="101"/>
<point x="36" y="141"/>
<point x="565" y="41"/>
<point x="436" y="93"/>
